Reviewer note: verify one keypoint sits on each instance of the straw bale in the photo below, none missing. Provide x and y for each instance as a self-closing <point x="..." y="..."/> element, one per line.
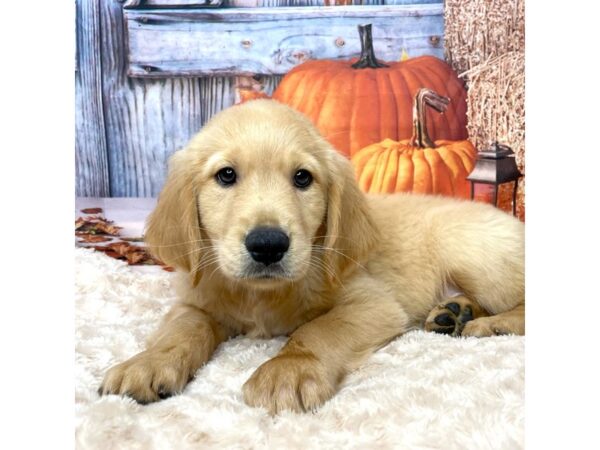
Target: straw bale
<point x="496" y="112"/>
<point x="485" y="43"/>
<point x="477" y="30"/>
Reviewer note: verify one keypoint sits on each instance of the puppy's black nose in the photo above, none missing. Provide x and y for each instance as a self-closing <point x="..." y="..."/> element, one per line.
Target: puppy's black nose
<point x="267" y="245"/>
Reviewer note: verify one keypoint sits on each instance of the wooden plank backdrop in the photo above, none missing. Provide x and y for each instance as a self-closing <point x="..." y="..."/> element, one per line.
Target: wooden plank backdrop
<point x="91" y="162"/>
<point x="170" y="3"/>
<point x="126" y="128"/>
<point x="272" y="40"/>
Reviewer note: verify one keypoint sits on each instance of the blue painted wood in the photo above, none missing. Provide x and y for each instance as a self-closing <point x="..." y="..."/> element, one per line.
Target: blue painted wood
<point x="171" y="3"/>
<point x="91" y="149"/>
<point x="244" y="41"/>
<point x="126" y="128"/>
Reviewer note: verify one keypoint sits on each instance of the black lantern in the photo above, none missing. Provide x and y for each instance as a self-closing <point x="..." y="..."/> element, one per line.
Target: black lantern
<point x="496" y="166"/>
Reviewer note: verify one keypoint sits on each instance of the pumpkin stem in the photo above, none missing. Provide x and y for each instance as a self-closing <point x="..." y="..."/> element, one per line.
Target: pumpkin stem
<point x="367" y="54"/>
<point x="425" y="97"/>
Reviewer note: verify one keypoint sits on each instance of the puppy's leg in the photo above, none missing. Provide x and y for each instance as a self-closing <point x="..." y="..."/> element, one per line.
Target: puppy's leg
<point x="509" y="322"/>
<point x="485" y="260"/>
<point x="185" y="341"/>
<point x="481" y="251"/>
<point x="451" y="316"/>
<point x="308" y="370"/>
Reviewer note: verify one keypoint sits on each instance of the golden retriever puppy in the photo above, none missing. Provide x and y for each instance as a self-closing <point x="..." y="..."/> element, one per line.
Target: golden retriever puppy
<point x="271" y="236"/>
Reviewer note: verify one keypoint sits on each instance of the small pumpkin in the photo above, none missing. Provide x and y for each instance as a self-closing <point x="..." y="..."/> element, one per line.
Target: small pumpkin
<point x="357" y="102"/>
<point x="418" y="164"/>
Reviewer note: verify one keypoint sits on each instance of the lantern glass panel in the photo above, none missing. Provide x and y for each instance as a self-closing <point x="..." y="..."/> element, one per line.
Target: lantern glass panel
<point x="483" y="192"/>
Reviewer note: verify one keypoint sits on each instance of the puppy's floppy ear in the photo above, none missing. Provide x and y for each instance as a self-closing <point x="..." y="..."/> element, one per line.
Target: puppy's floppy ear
<point x="351" y="232"/>
<point x="173" y="228"/>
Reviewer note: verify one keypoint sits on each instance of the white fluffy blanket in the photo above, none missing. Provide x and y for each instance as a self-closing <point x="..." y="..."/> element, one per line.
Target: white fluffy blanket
<point x="422" y="391"/>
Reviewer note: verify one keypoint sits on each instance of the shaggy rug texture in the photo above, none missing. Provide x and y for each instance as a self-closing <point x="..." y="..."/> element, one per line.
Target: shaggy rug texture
<point x="422" y="391"/>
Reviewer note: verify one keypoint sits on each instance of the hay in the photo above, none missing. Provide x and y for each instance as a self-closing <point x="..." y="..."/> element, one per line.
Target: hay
<point x="496" y="109"/>
<point x="485" y="44"/>
<point x="496" y="112"/>
<point x="478" y="30"/>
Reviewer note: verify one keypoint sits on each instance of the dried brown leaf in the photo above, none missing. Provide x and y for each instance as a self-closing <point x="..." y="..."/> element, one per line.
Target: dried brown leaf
<point x="92" y="210"/>
<point x="94" y="229"/>
<point x="90" y="238"/>
<point x="120" y="247"/>
<point x="113" y="254"/>
<point x="103" y="227"/>
<point x="95" y="225"/>
<point x="136" y="257"/>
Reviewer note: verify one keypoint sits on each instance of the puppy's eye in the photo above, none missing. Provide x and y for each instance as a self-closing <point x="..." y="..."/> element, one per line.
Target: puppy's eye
<point x="302" y="179"/>
<point x="226" y="176"/>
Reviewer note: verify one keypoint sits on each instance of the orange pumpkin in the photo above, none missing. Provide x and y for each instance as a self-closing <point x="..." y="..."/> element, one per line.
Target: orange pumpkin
<point x="419" y="164"/>
<point x="357" y="102"/>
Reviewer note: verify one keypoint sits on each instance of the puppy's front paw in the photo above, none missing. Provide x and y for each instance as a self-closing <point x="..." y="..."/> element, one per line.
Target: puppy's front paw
<point x="289" y="381"/>
<point x="148" y="376"/>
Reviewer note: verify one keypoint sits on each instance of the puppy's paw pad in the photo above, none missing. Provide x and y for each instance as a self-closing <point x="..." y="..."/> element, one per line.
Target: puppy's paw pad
<point x="451" y="316"/>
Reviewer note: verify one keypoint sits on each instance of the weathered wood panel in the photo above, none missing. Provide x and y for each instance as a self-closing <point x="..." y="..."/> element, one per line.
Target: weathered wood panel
<point x="145" y="121"/>
<point x="127" y="128"/>
<point x="273" y="3"/>
<point x="217" y="94"/>
<point x="91" y="154"/>
<point x="171" y="43"/>
<point x="170" y="3"/>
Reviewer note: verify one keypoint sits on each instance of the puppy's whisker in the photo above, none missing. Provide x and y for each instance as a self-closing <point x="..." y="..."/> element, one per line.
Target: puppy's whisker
<point x="183" y="243"/>
<point x="196" y="227"/>
<point x="204" y="263"/>
<point x="219" y="266"/>
<point x="332" y="236"/>
<point x="208" y="257"/>
<point x="337" y="133"/>
<point x="326" y="270"/>
<point x="191" y="252"/>
<point x="198" y="250"/>
<point x="322" y="247"/>
<point x="319" y="265"/>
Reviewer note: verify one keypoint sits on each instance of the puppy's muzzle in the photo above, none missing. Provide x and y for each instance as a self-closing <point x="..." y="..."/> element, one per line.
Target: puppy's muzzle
<point x="267" y="245"/>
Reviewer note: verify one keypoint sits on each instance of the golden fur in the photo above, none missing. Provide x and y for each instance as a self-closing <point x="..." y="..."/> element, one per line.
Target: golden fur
<point x="359" y="271"/>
